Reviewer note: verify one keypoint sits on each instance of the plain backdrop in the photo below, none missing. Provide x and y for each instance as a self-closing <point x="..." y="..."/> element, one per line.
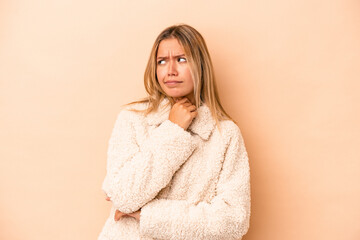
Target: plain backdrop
<point x="287" y="72"/>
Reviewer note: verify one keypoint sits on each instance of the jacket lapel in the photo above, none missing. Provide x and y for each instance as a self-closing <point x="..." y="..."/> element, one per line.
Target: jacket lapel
<point x="202" y="125"/>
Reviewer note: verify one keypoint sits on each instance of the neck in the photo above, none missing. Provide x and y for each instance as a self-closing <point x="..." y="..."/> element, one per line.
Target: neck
<point x="189" y="96"/>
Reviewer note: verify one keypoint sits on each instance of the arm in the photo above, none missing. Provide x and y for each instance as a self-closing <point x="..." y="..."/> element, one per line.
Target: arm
<point x="136" y="175"/>
<point x="227" y="216"/>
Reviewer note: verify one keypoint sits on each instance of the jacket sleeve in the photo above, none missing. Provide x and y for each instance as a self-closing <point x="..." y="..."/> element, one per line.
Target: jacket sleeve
<point x="227" y="216"/>
<point x="135" y="175"/>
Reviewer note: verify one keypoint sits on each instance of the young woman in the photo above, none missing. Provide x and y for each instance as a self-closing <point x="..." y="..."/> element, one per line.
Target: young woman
<point x="177" y="164"/>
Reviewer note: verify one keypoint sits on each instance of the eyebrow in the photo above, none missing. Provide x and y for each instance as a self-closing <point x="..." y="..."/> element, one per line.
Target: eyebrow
<point x="160" y="57"/>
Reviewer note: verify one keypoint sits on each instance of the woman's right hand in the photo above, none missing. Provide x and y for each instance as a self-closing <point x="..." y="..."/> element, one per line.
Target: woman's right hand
<point x="182" y="113"/>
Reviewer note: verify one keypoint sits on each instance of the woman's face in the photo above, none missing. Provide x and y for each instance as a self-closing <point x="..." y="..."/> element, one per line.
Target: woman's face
<point x="173" y="70"/>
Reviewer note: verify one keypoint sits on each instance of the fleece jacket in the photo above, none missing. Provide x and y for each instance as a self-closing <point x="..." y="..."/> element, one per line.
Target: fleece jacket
<point x="189" y="184"/>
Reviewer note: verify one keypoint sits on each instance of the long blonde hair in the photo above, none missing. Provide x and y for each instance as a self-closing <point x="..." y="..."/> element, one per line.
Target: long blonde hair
<point x="201" y="69"/>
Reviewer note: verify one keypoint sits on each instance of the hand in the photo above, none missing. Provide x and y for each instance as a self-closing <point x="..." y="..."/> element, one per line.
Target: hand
<point x="183" y="112"/>
<point x="107" y="198"/>
<point x="119" y="214"/>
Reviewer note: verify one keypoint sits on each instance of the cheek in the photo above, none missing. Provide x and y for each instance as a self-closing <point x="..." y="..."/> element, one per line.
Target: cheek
<point x="188" y="76"/>
<point x="160" y="73"/>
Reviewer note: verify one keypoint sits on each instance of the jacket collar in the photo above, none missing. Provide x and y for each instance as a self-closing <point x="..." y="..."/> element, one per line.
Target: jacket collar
<point x="202" y="125"/>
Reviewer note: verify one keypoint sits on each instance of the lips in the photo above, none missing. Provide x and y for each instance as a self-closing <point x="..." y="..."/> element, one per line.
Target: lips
<point x="171" y="82"/>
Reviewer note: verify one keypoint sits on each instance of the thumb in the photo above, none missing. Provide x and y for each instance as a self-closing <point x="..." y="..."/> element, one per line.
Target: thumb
<point x="180" y="99"/>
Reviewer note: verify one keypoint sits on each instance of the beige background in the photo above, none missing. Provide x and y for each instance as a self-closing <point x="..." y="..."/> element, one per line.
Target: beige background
<point x="288" y="73"/>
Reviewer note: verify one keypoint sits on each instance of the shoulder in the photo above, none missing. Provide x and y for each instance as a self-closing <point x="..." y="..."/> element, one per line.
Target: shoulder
<point x="230" y="131"/>
<point x="132" y="112"/>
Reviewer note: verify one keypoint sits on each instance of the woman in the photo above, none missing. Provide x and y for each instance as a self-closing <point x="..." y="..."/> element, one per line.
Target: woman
<point x="177" y="164"/>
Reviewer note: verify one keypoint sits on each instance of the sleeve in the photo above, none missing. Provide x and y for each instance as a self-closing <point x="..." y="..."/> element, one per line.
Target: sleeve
<point x="227" y="216"/>
<point x="135" y="175"/>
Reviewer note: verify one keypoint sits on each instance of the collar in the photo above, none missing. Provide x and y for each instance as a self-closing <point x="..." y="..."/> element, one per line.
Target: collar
<point x="202" y="125"/>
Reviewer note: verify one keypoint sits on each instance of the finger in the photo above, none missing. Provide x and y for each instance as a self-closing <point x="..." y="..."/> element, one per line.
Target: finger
<point x="193" y="114"/>
<point x="192" y="108"/>
<point x="117" y="217"/>
<point x="187" y="104"/>
<point x="183" y="100"/>
<point x="107" y="197"/>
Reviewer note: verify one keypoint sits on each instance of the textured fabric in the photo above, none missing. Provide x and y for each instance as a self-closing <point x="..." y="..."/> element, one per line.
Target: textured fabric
<point x="189" y="184"/>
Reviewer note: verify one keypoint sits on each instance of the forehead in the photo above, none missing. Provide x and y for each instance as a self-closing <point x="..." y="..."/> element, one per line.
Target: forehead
<point x="170" y="46"/>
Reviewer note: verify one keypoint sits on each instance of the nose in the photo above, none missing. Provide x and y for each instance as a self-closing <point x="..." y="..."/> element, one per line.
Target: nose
<point x="172" y="71"/>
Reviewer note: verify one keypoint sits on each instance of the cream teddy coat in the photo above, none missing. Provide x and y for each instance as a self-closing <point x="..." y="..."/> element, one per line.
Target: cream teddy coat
<point x="189" y="184"/>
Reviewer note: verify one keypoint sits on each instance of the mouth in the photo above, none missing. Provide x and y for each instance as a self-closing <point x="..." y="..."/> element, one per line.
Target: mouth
<point x="172" y="82"/>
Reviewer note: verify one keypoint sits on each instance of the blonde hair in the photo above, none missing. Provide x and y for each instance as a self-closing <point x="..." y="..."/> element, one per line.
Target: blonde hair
<point x="201" y="69"/>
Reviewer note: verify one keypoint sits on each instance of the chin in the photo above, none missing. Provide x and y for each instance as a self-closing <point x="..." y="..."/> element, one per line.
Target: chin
<point x="174" y="95"/>
<point x="177" y="96"/>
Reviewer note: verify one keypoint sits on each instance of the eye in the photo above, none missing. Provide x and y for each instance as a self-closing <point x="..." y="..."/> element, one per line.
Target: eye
<point x="182" y="59"/>
<point x="161" y="61"/>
